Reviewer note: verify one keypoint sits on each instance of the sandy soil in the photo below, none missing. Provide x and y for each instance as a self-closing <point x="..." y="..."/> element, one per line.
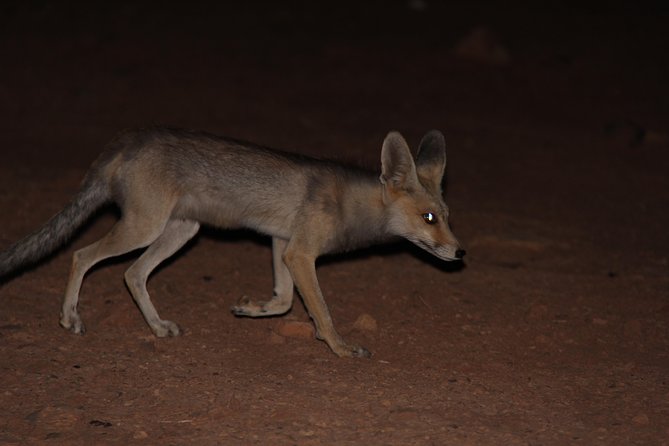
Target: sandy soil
<point x="554" y="332"/>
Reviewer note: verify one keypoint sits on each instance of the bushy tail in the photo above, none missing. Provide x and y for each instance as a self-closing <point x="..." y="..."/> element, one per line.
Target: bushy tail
<point x="57" y="230"/>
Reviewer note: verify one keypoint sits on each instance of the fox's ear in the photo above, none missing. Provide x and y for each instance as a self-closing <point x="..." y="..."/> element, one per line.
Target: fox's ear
<point x="398" y="170"/>
<point x="431" y="158"/>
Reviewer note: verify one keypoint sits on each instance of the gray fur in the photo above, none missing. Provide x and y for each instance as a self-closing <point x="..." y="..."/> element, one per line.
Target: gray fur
<point x="57" y="231"/>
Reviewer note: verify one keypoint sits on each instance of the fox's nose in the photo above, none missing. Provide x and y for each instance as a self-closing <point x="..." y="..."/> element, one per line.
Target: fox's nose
<point x="460" y="253"/>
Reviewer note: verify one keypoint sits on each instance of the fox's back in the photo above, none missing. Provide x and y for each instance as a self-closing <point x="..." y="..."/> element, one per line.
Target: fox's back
<point x="216" y="180"/>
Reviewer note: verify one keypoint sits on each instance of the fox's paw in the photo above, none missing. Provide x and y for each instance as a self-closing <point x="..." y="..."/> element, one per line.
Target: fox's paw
<point x="352" y="351"/>
<point x="163" y="329"/>
<point x="73" y="323"/>
<point x="249" y="308"/>
<point x="360" y="352"/>
<point x="246" y="307"/>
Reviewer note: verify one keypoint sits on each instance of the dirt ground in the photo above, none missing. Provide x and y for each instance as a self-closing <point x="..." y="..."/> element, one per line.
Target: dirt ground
<point x="555" y="330"/>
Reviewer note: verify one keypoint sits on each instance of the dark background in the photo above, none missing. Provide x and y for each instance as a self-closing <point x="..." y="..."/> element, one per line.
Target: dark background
<point x="556" y="118"/>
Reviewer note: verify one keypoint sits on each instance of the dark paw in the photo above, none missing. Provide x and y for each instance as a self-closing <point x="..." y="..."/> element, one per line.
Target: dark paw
<point x="243" y="307"/>
<point x="238" y="311"/>
<point x="73" y="324"/>
<point x="164" y="329"/>
<point x="352" y="351"/>
<point x="361" y="352"/>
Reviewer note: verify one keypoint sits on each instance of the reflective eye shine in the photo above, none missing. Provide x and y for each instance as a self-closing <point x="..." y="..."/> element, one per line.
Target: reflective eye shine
<point x="429" y="218"/>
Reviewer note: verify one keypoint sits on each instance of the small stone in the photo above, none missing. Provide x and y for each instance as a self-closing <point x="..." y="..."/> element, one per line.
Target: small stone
<point x="641" y="420"/>
<point x="58" y="418"/>
<point x="276" y="339"/>
<point x="139" y="435"/>
<point x="365" y="322"/>
<point x="295" y="329"/>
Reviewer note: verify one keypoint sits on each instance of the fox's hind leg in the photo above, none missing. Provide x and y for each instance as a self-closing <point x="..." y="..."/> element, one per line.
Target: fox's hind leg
<point x="131" y="232"/>
<point x="282" y="296"/>
<point x="175" y="235"/>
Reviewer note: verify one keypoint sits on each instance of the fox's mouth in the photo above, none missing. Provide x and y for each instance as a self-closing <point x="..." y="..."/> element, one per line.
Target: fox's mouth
<point x="447" y="253"/>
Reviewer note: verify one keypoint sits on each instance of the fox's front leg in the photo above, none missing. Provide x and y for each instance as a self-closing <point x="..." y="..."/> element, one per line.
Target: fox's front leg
<point x="282" y="296"/>
<point x="302" y="267"/>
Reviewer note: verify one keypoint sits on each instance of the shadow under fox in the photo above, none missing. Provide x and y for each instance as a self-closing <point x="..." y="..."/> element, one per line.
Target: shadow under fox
<point x="167" y="182"/>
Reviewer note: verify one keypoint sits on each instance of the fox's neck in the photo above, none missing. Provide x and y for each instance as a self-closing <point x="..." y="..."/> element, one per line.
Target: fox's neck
<point x="364" y="215"/>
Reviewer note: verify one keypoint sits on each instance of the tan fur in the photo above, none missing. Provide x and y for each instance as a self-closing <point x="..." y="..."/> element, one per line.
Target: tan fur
<point x="167" y="182"/>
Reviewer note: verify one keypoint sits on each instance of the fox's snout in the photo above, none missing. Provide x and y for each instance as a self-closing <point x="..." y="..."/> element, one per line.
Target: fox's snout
<point x="450" y="252"/>
<point x="444" y="244"/>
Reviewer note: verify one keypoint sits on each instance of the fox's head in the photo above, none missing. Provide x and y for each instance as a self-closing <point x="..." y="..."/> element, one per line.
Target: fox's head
<point x="413" y="197"/>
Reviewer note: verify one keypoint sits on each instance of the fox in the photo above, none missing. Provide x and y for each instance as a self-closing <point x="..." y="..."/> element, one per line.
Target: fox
<point x="167" y="182"/>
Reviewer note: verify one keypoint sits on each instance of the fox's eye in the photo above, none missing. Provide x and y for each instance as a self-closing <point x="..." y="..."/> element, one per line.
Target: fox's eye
<point x="429" y="218"/>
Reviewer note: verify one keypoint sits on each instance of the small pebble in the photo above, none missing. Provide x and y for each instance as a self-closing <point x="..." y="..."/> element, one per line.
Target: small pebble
<point x="295" y="329"/>
<point x="365" y="322"/>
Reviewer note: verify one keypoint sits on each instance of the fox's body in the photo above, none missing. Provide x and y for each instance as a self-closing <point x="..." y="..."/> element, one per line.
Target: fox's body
<point x="166" y="182"/>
